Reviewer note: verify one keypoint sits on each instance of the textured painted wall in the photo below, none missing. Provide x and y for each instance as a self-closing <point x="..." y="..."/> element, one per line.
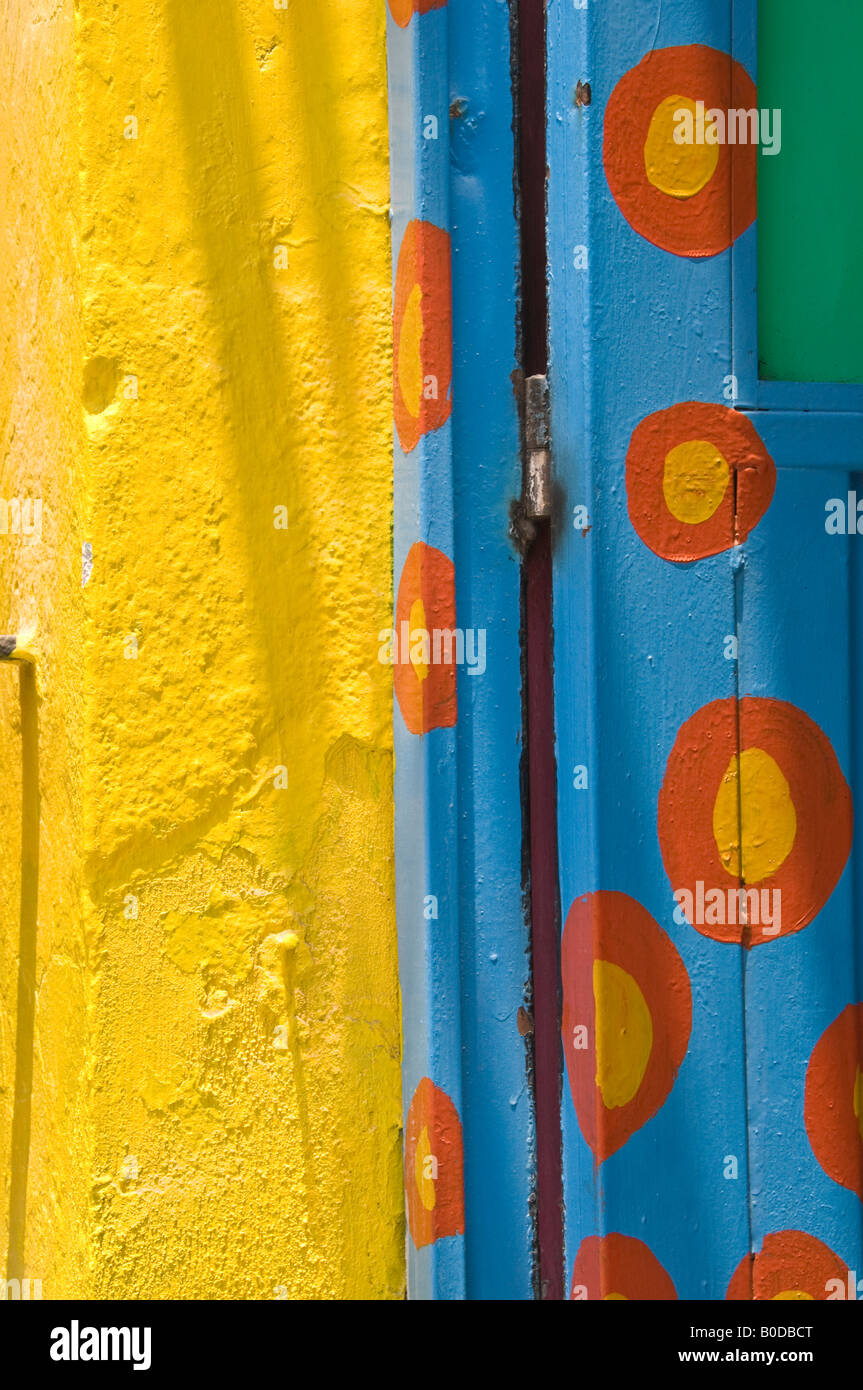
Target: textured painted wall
<point x="45" y="1124"/>
<point x="229" y="978"/>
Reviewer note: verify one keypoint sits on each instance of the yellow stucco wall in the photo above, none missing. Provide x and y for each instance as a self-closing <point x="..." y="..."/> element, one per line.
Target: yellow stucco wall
<point x="199" y="294"/>
<point x="45" y="1111"/>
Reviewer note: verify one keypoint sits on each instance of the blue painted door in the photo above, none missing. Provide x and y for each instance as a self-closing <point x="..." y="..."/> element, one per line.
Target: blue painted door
<point x="706" y="624"/>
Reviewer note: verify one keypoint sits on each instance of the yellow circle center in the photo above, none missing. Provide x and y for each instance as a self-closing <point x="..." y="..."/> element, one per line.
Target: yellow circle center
<point x="423" y="1167"/>
<point x="416" y="631"/>
<point x="675" y="160"/>
<point x="624" y="1033"/>
<point x="410" y="361"/>
<point x="753" y="809"/>
<point x="695" y="480"/>
<point x="615" y="1298"/>
<point x="796" y="1294"/>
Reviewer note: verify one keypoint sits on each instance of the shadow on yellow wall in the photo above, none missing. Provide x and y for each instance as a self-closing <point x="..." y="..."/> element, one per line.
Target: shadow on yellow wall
<point x="236" y="929"/>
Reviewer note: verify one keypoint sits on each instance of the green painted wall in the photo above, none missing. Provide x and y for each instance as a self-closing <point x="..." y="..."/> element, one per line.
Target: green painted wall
<point x="810" y="196"/>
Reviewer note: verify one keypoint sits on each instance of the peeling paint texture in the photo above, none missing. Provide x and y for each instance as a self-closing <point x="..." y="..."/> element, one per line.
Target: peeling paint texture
<point x="200" y="1097"/>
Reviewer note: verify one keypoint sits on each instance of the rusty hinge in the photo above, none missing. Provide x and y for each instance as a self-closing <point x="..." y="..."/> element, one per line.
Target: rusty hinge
<point x="536" y="486"/>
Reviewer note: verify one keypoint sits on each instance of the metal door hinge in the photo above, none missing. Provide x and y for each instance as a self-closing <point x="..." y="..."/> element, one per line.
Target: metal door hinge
<point x="536" y="487"/>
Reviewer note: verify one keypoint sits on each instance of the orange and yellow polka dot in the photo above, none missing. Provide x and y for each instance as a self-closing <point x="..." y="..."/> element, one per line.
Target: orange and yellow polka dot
<point x="698" y="480"/>
<point x="833" y="1106"/>
<point x="677" y="183"/>
<point x="790" y="1267"/>
<point x="627" y="1015"/>
<point x="753" y="797"/>
<point x="617" y="1268"/>
<point x="433" y="1166"/>
<point x="422" y="333"/>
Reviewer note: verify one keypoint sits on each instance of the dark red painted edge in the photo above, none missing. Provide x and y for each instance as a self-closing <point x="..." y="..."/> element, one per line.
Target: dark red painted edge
<point x="542" y="772"/>
<point x="545" y="914"/>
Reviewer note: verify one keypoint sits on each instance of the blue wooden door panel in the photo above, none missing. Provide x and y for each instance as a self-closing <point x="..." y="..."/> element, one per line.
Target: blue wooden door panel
<point x="705" y="668"/>
<point x="462" y="934"/>
<point x="799" y="618"/>
<point x="499" y="1158"/>
<point x="641" y="646"/>
<point x="799" y="628"/>
<point x="425" y="777"/>
<point x="706" y="695"/>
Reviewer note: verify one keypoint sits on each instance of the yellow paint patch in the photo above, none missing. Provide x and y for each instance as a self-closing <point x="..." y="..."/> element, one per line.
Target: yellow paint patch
<point x="680" y="170"/>
<point x="694" y="481"/>
<point x="423" y="1169"/>
<point x="793" y="1295"/>
<point x="755" y="798"/>
<point x="624" y="1033"/>
<point x="615" y="1298"/>
<point x="410" y="359"/>
<point x="221" y="933"/>
<point x="46" y="1131"/>
<point x="169" y="1088"/>
<point x="417" y="622"/>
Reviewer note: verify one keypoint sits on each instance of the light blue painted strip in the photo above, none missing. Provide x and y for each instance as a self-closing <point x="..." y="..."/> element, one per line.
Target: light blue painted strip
<point x="815" y="439"/>
<point x="499" y="1166"/>
<point x="462" y="934"/>
<point x="806" y="395"/>
<point x="425" y="777"/>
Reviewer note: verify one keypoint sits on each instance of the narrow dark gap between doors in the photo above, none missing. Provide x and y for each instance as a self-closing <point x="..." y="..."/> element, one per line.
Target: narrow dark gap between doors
<point x="540" y="813"/>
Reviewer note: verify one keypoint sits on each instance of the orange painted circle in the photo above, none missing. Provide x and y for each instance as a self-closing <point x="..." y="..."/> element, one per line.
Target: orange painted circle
<point x="833" y="1105"/>
<point x="434" y="1166"/>
<point x="696" y="770"/>
<point x="616" y="1266"/>
<point x="615" y="929"/>
<point x="426" y="696"/>
<point x="788" y="1263"/>
<point x="707" y="222"/>
<point x="403" y="11"/>
<point x="422" y="333"/>
<point x="751" y="479"/>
